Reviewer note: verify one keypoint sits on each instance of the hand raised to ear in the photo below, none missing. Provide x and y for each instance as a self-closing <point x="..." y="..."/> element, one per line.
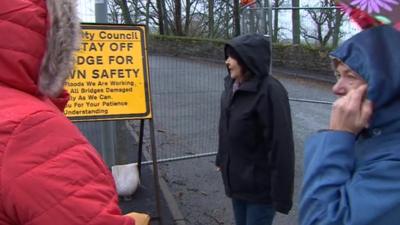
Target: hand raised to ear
<point x="351" y="112"/>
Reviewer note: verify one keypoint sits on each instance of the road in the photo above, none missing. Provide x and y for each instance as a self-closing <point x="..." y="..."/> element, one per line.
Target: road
<point x="186" y="110"/>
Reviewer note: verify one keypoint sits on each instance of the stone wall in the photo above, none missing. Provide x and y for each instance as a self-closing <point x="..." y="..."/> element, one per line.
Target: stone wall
<point x="301" y="57"/>
<point x="207" y="49"/>
<point x="293" y="57"/>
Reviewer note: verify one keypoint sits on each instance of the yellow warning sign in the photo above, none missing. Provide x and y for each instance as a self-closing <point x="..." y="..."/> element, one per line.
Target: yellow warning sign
<point x="110" y="80"/>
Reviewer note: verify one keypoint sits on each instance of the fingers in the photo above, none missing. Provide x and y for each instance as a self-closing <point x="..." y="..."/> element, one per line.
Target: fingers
<point x="352" y="112"/>
<point x="140" y="218"/>
<point x="356" y="97"/>
<point x="361" y="105"/>
<point x="366" y="112"/>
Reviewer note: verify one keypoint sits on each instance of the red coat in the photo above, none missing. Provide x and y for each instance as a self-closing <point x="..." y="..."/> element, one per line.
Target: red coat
<point x="49" y="173"/>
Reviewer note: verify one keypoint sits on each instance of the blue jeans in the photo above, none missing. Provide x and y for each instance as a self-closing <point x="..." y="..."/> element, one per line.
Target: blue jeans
<point x="248" y="213"/>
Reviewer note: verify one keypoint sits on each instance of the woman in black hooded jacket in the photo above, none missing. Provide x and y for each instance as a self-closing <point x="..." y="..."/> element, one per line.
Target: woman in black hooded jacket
<point x="255" y="152"/>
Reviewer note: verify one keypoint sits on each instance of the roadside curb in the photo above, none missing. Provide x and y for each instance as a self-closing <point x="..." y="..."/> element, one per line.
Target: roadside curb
<point x="304" y="74"/>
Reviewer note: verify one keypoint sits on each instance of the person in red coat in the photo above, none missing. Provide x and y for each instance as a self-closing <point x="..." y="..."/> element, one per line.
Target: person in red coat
<point x="49" y="173"/>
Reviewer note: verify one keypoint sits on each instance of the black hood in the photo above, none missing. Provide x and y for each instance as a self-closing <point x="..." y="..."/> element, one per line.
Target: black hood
<point x="255" y="51"/>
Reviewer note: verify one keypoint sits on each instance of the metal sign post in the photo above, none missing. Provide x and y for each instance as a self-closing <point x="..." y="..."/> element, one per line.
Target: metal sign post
<point x="101" y="11"/>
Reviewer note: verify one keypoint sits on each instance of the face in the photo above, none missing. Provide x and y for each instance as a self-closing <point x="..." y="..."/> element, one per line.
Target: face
<point x="347" y="80"/>
<point x="235" y="70"/>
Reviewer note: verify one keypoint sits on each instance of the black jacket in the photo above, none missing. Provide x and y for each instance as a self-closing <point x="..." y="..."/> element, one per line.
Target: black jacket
<point x="256" y="152"/>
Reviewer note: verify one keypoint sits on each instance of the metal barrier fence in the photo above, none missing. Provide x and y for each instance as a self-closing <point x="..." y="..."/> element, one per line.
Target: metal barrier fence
<point x="186" y="95"/>
<point x="185" y="99"/>
<point x="186" y="105"/>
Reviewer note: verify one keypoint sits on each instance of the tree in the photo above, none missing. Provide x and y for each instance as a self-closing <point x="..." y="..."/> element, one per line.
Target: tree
<point x="277" y="4"/>
<point x="187" y="15"/>
<point x="210" y="18"/>
<point x="201" y="18"/>
<point x="129" y="11"/>
<point x="296" y="22"/>
<point x="266" y="17"/>
<point x="178" y="18"/>
<point x="236" y="18"/>
<point x="336" y="30"/>
<point x="114" y="12"/>
<point x="327" y="25"/>
<point x="227" y="13"/>
<point x="125" y="11"/>
<point x="161" y="15"/>
<point x="147" y="15"/>
<point x="119" y="11"/>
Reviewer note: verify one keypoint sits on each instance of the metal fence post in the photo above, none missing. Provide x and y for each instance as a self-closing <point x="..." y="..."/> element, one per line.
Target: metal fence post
<point x="102" y="135"/>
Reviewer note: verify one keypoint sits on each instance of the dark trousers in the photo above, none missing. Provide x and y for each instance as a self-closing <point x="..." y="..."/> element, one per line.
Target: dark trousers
<point x="248" y="213"/>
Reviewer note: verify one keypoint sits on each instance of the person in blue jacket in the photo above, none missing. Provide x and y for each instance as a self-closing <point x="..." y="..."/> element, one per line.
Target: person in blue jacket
<point x="352" y="169"/>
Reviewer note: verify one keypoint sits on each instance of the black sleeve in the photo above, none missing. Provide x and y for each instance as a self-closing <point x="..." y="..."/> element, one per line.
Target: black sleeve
<point x="220" y="130"/>
<point x="218" y="157"/>
<point x="282" y="147"/>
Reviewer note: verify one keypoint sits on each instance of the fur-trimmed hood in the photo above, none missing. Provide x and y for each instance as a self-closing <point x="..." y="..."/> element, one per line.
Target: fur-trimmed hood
<point x="38" y="41"/>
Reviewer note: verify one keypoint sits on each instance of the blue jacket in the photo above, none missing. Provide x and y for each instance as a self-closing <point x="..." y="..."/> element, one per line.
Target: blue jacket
<point x="356" y="179"/>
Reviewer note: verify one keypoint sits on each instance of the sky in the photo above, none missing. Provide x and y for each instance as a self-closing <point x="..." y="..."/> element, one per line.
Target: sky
<point x="86" y="10"/>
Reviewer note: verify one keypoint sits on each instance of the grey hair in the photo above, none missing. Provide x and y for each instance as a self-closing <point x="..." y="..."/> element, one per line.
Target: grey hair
<point x="63" y="39"/>
<point x="335" y="62"/>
